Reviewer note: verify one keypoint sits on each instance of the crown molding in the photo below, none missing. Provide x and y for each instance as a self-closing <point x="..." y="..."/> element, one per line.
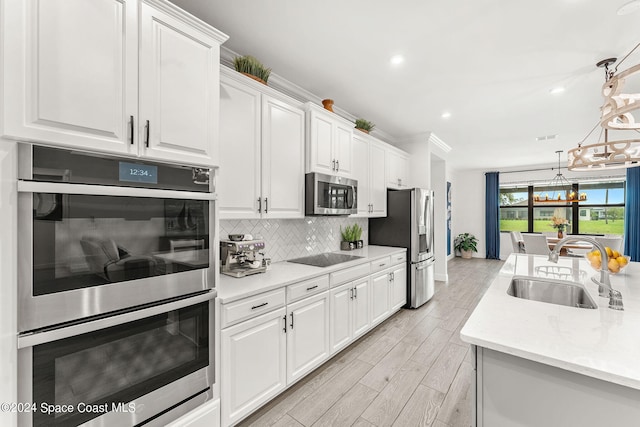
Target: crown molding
<point x="296" y="92"/>
<point x="433" y="139"/>
<point x="179" y="13"/>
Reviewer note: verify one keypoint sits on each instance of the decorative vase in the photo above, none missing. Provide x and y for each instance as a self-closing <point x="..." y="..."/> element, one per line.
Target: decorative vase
<point x="258" y="79"/>
<point x="466" y="254"/>
<point x="347" y="246"/>
<point x="560" y="234"/>
<point x="328" y="104"/>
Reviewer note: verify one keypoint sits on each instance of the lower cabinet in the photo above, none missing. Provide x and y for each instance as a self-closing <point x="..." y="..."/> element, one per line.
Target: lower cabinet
<point x="350" y="313"/>
<point x="206" y="415"/>
<point x="253" y="364"/>
<point x="380" y="307"/>
<point x="398" y="289"/>
<point x="307" y="335"/>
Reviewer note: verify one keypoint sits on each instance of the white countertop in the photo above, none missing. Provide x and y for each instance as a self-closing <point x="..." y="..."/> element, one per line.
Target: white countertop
<point x="601" y="343"/>
<point x="285" y="273"/>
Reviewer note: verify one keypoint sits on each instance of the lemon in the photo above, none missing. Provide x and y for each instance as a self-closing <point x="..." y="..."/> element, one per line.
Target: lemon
<point x="609" y="251"/>
<point x="622" y="261"/>
<point x="615" y="254"/>
<point x="613" y="265"/>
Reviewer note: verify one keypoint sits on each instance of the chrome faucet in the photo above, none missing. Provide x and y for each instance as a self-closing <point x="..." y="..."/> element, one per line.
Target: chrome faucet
<point x="604" y="284"/>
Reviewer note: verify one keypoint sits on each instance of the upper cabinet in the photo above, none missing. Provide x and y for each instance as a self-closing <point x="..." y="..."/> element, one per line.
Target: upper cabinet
<point x="128" y="77"/>
<point x="369" y="171"/>
<point x="397" y="168"/>
<point x="329" y="143"/>
<point x="261" y="151"/>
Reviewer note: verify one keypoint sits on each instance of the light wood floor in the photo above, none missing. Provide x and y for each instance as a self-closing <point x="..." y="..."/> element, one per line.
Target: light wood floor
<point x="412" y="370"/>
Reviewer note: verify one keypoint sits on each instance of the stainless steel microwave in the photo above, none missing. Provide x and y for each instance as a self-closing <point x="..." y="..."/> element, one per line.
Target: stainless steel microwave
<point x="330" y="195"/>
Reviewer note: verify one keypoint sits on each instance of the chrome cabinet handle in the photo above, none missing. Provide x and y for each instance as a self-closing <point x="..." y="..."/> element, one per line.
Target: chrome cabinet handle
<point x="131" y="128"/>
<point x="355" y="293"/>
<point x="351" y="290"/>
<point x="399" y="181"/>
<point x="266" y="204"/>
<point x="291" y="321"/>
<point x="285" y="323"/>
<point x="259" y="204"/>
<point x="333" y="167"/>
<point x="259" y="305"/>
<point x="337" y="165"/>
<point x="147" y="127"/>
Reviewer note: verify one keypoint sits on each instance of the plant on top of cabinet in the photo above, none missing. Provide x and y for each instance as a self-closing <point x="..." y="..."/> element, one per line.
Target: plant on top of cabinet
<point x="251" y="67"/>
<point x="364" y="125"/>
<point x="351" y="237"/>
<point x="467" y="244"/>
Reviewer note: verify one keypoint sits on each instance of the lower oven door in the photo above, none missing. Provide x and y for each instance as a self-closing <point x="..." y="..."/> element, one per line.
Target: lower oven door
<point x="120" y="370"/>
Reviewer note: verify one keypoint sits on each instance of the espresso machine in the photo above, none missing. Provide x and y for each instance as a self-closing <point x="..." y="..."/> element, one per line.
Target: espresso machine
<point x="239" y="258"/>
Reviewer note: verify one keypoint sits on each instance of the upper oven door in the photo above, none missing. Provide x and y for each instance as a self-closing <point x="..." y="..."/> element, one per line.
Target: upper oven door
<point x="91" y="249"/>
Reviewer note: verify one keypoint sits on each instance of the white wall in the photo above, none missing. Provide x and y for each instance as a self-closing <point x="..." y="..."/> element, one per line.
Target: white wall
<point x="439" y="187"/>
<point x="8" y="279"/>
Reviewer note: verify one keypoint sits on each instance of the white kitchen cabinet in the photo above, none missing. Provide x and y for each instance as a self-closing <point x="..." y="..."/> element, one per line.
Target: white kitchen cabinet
<point x="90" y="75"/>
<point x="397" y="171"/>
<point x="253" y="364"/>
<point x="350" y="315"/>
<point x="308" y="335"/>
<point x="261" y="152"/>
<point x="380" y="307"/>
<point x="329" y="143"/>
<point x="369" y="171"/>
<point x="398" y="287"/>
<point x="205" y="415"/>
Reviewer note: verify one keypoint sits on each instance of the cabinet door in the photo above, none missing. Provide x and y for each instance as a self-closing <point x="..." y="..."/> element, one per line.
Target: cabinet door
<point x="282" y="159"/>
<point x="361" y="174"/>
<point x="179" y="90"/>
<point x="71" y="72"/>
<point x="392" y="171"/>
<point x="308" y="335"/>
<point x="377" y="184"/>
<point x="402" y="170"/>
<point x="343" y="149"/>
<point x="361" y="307"/>
<point x="379" y="298"/>
<point x="398" y="287"/>
<point x="320" y="151"/>
<point x="341" y="317"/>
<point x="240" y="132"/>
<point x="253" y="364"/>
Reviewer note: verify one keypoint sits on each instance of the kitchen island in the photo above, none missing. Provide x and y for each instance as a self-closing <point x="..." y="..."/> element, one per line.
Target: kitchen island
<point x="539" y="364"/>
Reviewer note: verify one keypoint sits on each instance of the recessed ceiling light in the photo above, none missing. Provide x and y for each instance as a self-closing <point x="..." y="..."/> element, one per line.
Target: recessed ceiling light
<point x="557" y="90"/>
<point x="630" y="7"/>
<point x="546" y="137"/>
<point x="397" y="59"/>
<point x="446" y="115"/>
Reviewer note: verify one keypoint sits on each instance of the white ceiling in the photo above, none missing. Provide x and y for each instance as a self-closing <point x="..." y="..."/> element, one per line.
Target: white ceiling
<point x="491" y="63"/>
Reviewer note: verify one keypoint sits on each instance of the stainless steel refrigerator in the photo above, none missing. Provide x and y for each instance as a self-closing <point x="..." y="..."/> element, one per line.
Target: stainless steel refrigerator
<point x="409" y="224"/>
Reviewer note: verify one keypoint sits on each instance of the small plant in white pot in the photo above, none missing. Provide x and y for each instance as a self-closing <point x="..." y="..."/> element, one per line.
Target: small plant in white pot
<point x="466" y="243"/>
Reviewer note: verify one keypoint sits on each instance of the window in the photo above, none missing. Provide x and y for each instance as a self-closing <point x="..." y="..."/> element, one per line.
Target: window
<point x="603" y="213"/>
<point x="514" y="211"/>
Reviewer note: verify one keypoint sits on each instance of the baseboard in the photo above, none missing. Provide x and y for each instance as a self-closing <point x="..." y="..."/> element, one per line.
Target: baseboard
<point x="441" y="277"/>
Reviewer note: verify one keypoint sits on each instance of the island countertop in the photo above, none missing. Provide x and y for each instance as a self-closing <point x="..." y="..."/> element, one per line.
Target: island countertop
<point x="601" y="343"/>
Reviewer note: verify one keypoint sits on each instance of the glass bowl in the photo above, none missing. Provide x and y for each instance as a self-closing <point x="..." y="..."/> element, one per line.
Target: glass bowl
<point x="616" y="264"/>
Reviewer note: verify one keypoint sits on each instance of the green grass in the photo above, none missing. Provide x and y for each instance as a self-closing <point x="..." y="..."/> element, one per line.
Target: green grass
<point x="586" y="227"/>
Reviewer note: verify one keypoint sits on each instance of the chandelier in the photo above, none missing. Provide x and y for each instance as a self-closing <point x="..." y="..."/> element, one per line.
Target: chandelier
<point x="562" y="190"/>
<point x="616" y="114"/>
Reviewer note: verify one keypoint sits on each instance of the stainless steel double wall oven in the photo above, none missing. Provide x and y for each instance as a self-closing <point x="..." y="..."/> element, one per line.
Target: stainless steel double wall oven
<point x="115" y="288"/>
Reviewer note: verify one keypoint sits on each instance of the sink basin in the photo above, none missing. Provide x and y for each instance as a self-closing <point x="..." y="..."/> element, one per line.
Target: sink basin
<point x="550" y="291"/>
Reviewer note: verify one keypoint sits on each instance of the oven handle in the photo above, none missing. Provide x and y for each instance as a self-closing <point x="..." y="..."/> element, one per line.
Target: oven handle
<point x="31" y="340"/>
<point x="109" y="190"/>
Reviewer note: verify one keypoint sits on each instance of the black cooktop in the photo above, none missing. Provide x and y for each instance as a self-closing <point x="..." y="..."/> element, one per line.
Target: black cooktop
<point x="325" y="260"/>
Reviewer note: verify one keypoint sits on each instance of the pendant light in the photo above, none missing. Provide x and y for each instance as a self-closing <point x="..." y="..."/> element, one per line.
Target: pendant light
<point x="562" y="190"/>
<point x="618" y="115"/>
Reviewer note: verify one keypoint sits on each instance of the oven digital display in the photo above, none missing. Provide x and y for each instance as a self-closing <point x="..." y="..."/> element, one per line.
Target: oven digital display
<point x="132" y="172"/>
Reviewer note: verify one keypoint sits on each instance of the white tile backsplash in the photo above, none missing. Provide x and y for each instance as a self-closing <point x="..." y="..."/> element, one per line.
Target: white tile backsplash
<point x="293" y="238"/>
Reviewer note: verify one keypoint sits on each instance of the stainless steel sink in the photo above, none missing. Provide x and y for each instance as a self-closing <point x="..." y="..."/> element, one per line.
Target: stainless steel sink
<point x="550" y="291"/>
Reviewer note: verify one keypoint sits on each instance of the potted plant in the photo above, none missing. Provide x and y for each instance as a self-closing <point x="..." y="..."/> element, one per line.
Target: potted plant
<point x="467" y="244"/>
<point x="351" y="237"/>
<point x="251" y="67"/>
<point x="364" y="125"/>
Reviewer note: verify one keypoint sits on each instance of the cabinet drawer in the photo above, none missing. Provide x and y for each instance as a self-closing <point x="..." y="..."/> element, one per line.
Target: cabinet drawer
<point x="348" y="274"/>
<point x="249" y="307"/>
<point x="398" y="258"/>
<point x="380" y="264"/>
<point x="306" y="288"/>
